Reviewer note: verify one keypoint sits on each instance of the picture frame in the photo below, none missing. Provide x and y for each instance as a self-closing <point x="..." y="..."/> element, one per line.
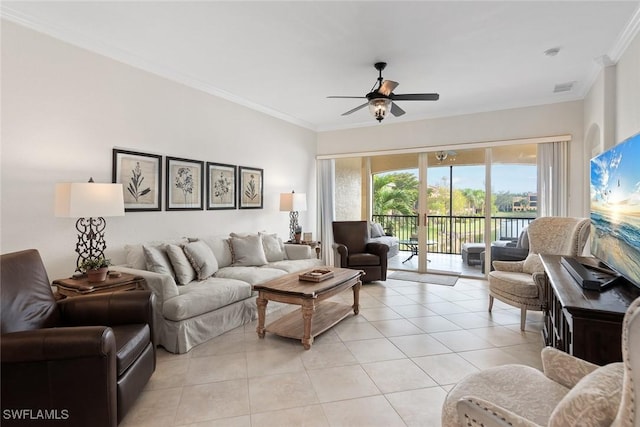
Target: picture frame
<point x="141" y="177"/>
<point x="221" y="186"/>
<point x="185" y="179"/>
<point x="250" y="187"/>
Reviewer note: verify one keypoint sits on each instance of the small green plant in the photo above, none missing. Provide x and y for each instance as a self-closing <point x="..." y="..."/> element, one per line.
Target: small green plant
<point x="94" y="263"/>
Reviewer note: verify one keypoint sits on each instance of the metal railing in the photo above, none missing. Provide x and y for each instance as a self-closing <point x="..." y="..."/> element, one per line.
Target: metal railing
<point x="447" y="234"/>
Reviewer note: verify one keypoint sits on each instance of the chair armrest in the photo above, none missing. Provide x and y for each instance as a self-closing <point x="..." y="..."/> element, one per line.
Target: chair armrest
<point x="295" y="251"/>
<point x="344" y="254"/>
<point x="40" y="345"/>
<point x="564" y="368"/>
<point x="162" y="285"/>
<point x="116" y="308"/>
<point x="512" y="266"/>
<point x="473" y="411"/>
<point x="379" y="249"/>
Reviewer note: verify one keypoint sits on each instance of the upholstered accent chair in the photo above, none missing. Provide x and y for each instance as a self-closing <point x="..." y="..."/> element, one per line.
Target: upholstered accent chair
<point x="355" y="252"/>
<point x="85" y="359"/>
<point x="570" y="392"/>
<point x="521" y="283"/>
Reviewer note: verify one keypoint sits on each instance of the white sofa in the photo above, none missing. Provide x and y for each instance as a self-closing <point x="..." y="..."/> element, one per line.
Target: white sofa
<point x="200" y="309"/>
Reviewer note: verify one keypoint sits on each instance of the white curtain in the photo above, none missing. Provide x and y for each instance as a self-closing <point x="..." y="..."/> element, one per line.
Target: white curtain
<point x="326" y="207"/>
<point x="553" y="179"/>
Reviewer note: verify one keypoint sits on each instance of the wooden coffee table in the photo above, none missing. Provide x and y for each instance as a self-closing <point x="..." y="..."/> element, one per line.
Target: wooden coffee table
<point x="315" y="315"/>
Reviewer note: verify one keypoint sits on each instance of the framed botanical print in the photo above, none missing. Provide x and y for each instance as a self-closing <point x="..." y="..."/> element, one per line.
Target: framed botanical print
<point x="250" y="188"/>
<point x="221" y="186"/>
<point x="185" y="179"/>
<point x="140" y="175"/>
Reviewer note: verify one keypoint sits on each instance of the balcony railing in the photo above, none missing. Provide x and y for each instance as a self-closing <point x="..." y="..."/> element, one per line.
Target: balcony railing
<point x="447" y="234"/>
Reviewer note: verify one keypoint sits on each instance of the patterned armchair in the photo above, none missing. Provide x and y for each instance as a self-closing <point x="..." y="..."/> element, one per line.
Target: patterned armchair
<point x="521" y="283"/>
<point x="569" y="393"/>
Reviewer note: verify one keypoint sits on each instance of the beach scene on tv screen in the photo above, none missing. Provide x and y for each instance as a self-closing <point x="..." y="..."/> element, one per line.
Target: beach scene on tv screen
<point x="615" y="208"/>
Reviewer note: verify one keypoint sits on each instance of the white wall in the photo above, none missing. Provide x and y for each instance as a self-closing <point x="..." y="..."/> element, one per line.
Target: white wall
<point x="612" y="107"/>
<point x="539" y="121"/>
<point x="64" y="109"/>
<point x="628" y="92"/>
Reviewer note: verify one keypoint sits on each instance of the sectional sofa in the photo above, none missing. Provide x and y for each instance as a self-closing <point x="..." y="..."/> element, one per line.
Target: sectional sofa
<point x="203" y="285"/>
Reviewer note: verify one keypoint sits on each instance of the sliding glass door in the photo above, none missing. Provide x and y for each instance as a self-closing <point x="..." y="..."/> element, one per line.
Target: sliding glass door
<point x="447" y="208"/>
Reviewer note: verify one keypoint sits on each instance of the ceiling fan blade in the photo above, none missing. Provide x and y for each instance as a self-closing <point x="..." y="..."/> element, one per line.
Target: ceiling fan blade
<point x="416" y="97"/>
<point x="395" y="110"/>
<point x="355" y="109"/>
<point x="349" y="97"/>
<point x="387" y="87"/>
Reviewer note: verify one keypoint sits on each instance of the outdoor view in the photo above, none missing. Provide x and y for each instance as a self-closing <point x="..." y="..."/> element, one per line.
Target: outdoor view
<point x="456" y="203"/>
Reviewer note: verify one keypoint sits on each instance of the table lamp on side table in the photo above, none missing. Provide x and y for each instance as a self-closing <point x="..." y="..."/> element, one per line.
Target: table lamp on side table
<point x="89" y="202"/>
<point x="293" y="203"/>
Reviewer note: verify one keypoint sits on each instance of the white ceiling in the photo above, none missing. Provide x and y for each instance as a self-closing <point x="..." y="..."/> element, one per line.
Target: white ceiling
<point x="285" y="58"/>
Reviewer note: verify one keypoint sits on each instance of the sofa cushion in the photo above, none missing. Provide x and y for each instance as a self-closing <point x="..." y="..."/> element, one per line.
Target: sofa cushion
<point x="204" y="296"/>
<point x="293" y="266"/>
<point x="364" y="259"/>
<point x="201" y="258"/>
<point x="520" y="285"/>
<point x="532" y="264"/>
<point x="157" y="260"/>
<point x="134" y="254"/>
<point x="252" y="274"/>
<point x="273" y="247"/>
<point x="247" y="251"/>
<point x="219" y="244"/>
<point x="593" y="402"/>
<point x="181" y="265"/>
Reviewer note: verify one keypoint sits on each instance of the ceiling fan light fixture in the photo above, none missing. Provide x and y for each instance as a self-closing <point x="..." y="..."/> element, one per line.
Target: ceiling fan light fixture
<point x="441" y="156"/>
<point x="379" y="108"/>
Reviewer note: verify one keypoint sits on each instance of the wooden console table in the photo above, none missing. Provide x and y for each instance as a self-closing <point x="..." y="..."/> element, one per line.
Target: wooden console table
<point x="78" y="287"/>
<point x="586" y="324"/>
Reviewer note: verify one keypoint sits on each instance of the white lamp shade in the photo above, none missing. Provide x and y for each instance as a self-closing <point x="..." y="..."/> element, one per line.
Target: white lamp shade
<point x="291" y="202"/>
<point x="89" y="200"/>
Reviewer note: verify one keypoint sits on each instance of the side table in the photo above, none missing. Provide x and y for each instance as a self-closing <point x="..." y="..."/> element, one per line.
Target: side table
<point x="314" y="245"/>
<point x="72" y="287"/>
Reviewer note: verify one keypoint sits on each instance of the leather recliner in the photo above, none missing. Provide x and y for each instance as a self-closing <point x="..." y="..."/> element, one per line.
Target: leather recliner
<point x="76" y="362"/>
<point x="357" y="253"/>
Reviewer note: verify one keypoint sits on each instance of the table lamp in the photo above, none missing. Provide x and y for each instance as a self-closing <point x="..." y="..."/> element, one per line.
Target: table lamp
<point x="293" y="203"/>
<point x="90" y="202"/>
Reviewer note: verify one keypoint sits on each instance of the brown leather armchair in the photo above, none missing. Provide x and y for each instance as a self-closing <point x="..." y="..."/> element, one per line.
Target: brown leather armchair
<point x="79" y="361"/>
<point x="357" y="253"/>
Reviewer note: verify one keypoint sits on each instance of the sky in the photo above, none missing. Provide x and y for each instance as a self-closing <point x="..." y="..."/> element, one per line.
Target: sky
<point x="511" y="178"/>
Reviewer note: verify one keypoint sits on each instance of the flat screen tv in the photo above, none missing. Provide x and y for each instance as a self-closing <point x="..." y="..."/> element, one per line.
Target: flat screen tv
<point x="615" y="208"/>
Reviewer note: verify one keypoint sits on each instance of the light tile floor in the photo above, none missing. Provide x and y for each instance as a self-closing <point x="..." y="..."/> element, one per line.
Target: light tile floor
<point x="391" y="365"/>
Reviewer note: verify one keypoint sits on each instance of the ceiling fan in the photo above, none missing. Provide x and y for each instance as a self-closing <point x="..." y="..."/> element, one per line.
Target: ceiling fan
<point x="381" y="99"/>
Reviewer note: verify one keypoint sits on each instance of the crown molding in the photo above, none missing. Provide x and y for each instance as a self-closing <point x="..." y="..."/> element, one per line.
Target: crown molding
<point x="626" y="37"/>
<point x="95" y="46"/>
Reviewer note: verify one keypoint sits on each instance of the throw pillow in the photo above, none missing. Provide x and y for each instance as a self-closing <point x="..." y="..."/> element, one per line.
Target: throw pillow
<point x="181" y="265"/>
<point x="523" y="239"/>
<point x="593" y="402"/>
<point x="201" y="258"/>
<point x="273" y="247"/>
<point x="157" y="260"/>
<point x="247" y="251"/>
<point x="376" y="230"/>
<point x="532" y="264"/>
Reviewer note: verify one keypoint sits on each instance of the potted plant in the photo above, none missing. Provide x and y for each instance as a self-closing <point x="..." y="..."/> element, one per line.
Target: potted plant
<point x="96" y="269"/>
